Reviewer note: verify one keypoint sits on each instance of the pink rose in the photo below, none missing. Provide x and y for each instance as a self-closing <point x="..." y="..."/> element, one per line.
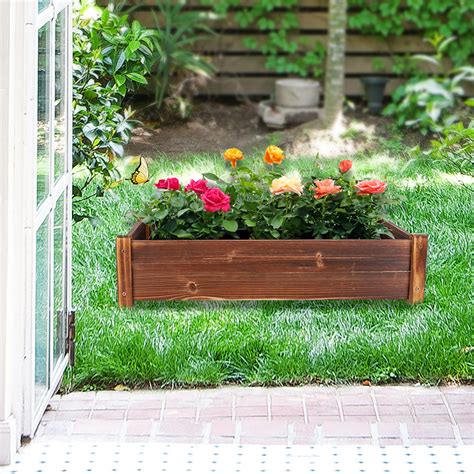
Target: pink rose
<point x="168" y="183"/>
<point x="373" y="186"/>
<point x="199" y="186"/>
<point x="325" y="188"/>
<point x="215" y="200"/>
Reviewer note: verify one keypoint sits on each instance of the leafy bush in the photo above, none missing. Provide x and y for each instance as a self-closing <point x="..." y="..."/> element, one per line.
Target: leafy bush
<point x="456" y="146"/>
<point x="283" y="54"/>
<point x="175" y="60"/>
<point x="111" y="58"/>
<point x="429" y="102"/>
<point x="393" y="17"/>
<point x="250" y="205"/>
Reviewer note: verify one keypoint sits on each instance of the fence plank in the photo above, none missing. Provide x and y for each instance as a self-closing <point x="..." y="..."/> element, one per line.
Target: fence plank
<point x="355" y="43"/>
<point x="230" y="56"/>
<point x="264" y="86"/>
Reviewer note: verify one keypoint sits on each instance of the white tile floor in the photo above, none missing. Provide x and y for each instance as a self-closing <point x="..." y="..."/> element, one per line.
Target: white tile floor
<point x="103" y="458"/>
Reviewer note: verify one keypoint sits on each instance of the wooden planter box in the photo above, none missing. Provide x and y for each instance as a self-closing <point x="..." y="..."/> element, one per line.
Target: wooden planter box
<point x="270" y="269"/>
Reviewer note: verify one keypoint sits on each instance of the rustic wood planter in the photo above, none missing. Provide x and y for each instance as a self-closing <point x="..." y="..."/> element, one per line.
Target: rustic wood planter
<point x="270" y="269"/>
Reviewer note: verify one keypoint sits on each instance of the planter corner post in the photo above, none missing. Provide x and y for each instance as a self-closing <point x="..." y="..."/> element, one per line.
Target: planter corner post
<point x="124" y="271"/>
<point x="419" y="250"/>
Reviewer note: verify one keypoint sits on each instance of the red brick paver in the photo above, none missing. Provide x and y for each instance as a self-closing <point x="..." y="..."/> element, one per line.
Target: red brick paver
<point x="311" y="415"/>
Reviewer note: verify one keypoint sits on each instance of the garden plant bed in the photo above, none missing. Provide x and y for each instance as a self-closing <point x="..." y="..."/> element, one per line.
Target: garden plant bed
<point x="270" y="269"/>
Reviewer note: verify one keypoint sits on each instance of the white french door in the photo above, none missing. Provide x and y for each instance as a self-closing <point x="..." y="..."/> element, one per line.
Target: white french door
<point x="51" y="216"/>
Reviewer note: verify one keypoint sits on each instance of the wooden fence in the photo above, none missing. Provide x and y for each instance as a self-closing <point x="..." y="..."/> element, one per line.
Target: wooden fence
<point x="241" y="71"/>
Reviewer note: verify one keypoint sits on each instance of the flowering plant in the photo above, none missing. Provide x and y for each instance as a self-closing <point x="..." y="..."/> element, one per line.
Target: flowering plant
<point x="267" y="205"/>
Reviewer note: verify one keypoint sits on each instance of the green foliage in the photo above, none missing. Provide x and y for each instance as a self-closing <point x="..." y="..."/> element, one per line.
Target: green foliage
<point x="282" y="52"/>
<point x="393" y="17"/>
<point x="111" y="59"/>
<point x="257" y="214"/>
<point x="429" y="102"/>
<point x="174" y="60"/>
<point x="455" y="145"/>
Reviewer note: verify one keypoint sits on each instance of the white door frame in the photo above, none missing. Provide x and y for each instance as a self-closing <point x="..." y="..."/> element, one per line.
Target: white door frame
<point x="32" y="413"/>
<point x="19" y="24"/>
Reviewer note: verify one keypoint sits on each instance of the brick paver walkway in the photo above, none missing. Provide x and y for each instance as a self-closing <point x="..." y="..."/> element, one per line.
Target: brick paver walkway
<point x="380" y="416"/>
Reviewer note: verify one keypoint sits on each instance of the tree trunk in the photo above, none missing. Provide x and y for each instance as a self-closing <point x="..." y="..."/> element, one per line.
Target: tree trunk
<point x="336" y="51"/>
<point x="306" y="138"/>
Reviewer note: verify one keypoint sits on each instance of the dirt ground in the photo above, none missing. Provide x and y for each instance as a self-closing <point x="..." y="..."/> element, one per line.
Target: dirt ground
<point x="215" y="126"/>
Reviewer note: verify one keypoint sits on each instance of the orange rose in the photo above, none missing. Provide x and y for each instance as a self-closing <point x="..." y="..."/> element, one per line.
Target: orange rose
<point x="273" y="155"/>
<point x="345" y="166"/>
<point x="233" y="155"/>
<point x="286" y="185"/>
<point x="325" y="187"/>
<point x="373" y="186"/>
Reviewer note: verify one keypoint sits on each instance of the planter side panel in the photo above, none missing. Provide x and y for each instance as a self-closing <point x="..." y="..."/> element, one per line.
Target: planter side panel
<point x="271" y="270"/>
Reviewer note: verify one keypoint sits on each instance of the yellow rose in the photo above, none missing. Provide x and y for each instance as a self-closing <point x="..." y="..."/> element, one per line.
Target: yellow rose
<point x="273" y="155"/>
<point x="286" y="185"/>
<point x="233" y="155"/>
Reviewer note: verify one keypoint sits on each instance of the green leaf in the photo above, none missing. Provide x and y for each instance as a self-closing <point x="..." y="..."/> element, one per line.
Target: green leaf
<point x="230" y="226"/>
<point x="133" y="45"/>
<point x="182" y="234"/>
<point x="211" y="176"/>
<point x="277" y="221"/>
<point x="161" y="214"/>
<point x="177" y="201"/>
<point x="120" y="79"/>
<point x="134" y="76"/>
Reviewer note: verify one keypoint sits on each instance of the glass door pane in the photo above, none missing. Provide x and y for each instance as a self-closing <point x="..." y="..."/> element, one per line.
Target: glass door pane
<point x="60" y="84"/>
<point x="59" y="307"/>
<point x="42" y="4"/>
<point x="44" y="126"/>
<point x="42" y="312"/>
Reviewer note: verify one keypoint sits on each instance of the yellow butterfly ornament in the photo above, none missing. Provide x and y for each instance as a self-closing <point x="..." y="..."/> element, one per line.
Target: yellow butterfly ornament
<point x="140" y="175"/>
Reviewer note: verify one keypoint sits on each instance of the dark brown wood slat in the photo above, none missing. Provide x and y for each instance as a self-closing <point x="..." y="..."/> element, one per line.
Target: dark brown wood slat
<point x="288" y="265"/>
<point x="139" y="232"/>
<point x="418" y="268"/>
<point x="271" y="286"/>
<point x="397" y="232"/>
<point x="175" y="251"/>
<point x="124" y="271"/>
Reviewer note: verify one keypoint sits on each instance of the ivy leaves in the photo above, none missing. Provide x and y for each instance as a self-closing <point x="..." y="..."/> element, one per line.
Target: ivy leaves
<point x="393" y="17"/>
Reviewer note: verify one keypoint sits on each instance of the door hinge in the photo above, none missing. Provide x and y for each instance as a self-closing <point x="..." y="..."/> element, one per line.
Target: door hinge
<point x="71" y="336"/>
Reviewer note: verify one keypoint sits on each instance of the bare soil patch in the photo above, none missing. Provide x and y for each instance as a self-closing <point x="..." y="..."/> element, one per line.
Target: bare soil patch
<point x="215" y="126"/>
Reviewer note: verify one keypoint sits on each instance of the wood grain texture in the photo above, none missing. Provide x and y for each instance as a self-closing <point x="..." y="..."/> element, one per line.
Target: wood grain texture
<point x="397" y="232"/>
<point x="419" y="252"/>
<point x="271" y="285"/>
<point x="139" y="231"/>
<point x="270" y="269"/>
<point x="124" y="271"/>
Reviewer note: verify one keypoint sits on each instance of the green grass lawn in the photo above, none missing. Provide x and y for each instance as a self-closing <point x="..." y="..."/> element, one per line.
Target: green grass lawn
<point x="208" y="343"/>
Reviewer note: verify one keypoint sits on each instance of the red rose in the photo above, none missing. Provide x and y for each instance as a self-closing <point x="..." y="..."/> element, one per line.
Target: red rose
<point x="215" y="200"/>
<point x="199" y="186"/>
<point x="345" y="166"/>
<point x="373" y="186"/>
<point x="168" y="183"/>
